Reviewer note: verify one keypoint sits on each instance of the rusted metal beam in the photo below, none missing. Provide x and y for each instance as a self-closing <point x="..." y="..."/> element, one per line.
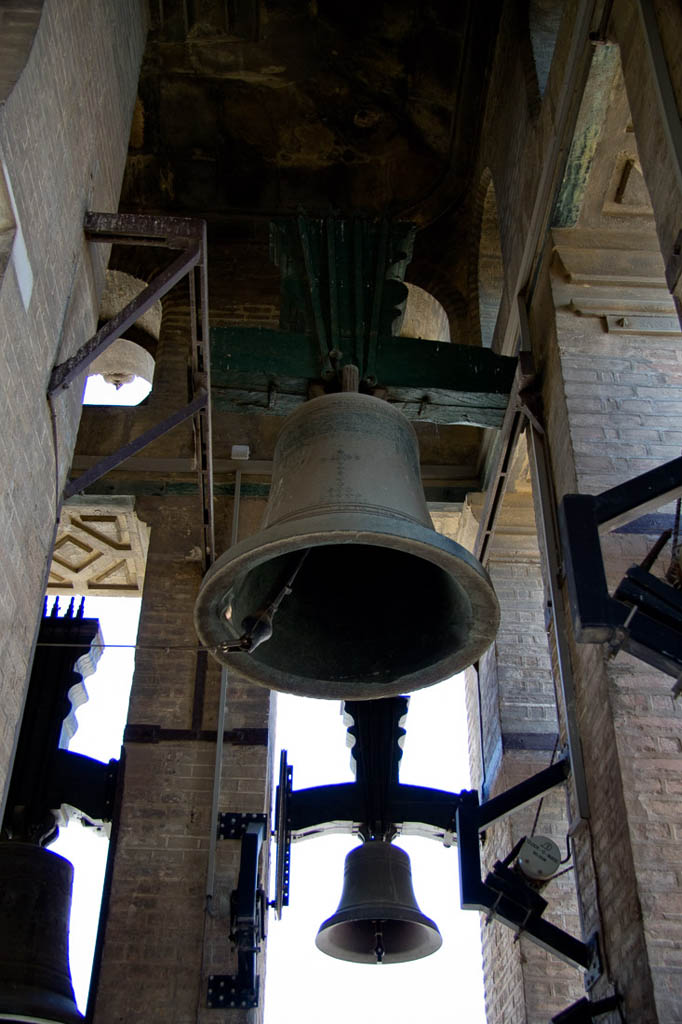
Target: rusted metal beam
<point x="110" y="462"/>
<point x="143" y="229"/>
<point x="513" y="423"/>
<point x="176" y="233"/>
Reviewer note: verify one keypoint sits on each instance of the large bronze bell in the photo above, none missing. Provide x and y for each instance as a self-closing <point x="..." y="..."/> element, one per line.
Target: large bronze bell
<point x="381" y="604"/>
<point x="378" y="919"/>
<point x="35" y="900"/>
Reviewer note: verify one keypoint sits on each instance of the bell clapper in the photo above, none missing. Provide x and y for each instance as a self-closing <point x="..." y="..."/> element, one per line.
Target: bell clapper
<point x="258" y="627"/>
<point x="379" y="941"/>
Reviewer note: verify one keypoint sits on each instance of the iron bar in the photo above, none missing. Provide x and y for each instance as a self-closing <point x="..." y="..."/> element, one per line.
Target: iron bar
<point x="110" y="462"/>
<point x="201" y="376"/>
<point x="548" y="537"/>
<point x="235" y="506"/>
<point x="217" y="778"/>
<point x="507" y="442"/>
<point x="641" y="494"/>
<point x="142" y="229"/>
<point x="500" y="807"/>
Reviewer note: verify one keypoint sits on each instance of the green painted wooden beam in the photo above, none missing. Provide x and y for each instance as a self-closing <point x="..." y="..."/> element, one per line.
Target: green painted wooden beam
<point x="400" y="362"/>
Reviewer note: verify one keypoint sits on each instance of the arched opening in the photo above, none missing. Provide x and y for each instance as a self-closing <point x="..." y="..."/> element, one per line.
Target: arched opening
<point x="124" y="372"/>
<point x="424" y="316"/>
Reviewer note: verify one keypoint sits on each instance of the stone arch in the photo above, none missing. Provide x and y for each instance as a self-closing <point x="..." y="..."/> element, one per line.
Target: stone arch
<point x="126" y="367"/>
<point x="544" y="18"/>
<point x="424" y="316"/>
<point x="489" y="278"/>
<point x="18" y="27"/>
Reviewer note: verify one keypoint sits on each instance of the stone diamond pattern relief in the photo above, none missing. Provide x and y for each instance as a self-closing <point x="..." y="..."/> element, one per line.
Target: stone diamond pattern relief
<point x="100" y="549"/>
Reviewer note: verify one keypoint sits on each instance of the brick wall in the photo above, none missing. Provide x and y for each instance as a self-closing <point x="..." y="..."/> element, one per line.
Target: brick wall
<point x="63" y="136"/>
<point x="625" y="405"/>
<point x="522" y="982"/>
<point x="161" y="942"/>
<point x="611" y="406"/>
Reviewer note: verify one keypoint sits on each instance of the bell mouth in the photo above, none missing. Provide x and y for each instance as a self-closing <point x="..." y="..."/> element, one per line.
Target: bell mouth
<point x="378" y="608"/>
<point x="344" y="937"/>
<point x="378" y="919"/>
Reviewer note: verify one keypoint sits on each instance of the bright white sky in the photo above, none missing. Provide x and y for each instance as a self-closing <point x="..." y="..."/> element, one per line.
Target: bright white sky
<point x="300" y="978"/>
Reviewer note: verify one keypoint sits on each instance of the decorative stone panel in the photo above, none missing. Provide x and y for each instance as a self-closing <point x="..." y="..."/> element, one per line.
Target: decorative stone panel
<point x="101" y="549"/>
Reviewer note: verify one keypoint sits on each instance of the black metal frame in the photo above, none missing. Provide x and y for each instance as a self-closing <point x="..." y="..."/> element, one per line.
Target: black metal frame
<point x="644" y="617"/>
<point x="247" y="916"/>
<point x="584" y="1011"/>
<point x="44" y="775"/>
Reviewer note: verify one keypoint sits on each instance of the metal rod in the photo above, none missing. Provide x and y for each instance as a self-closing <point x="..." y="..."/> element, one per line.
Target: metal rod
<point x="65" y="372"/>
<point x="548" y="536"/>
<point x="110" y="462"/>
<point x="217" y="778"/>
<point x="235" y="506"/>
<point x="206" y="415"/>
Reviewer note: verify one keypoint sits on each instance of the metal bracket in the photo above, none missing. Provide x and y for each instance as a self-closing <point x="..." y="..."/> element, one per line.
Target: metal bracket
<point x="234" y="826"/>
<point x="596" y="967"/>
<point x="584" y="1011"/>
<point x="231" y="992"/>
<point x="247" y="916"/>
<point x="654" y="634"/>
<point x="127" y="229"/>
<point x="188" y="235"/>
<point x="110" y="462"/>
<point x="509" y="908"/>
<point x="283" y="833"/>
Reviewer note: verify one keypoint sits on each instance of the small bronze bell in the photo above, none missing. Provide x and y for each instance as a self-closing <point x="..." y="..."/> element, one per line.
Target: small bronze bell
<point x="378" y="919"/>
